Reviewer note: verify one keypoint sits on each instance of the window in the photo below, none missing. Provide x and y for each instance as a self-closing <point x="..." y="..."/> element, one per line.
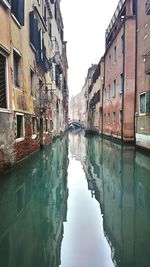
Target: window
<point x="41" y="44"/>
<point x="121" y="83"/>
<point x="120" y="116"/>
<point x="51" y="125"/>
<point x="109" y="91"/>
<point x="17" y="8"/>
<point x="105" y="117"/>
<point x="46" y="125"/>
<point x="32" y="82"/>
<point x="3" y="96"/>
<point x="57" y="76"/>
<point x="39" y="2"/>
<point x="105" y="95"/>
<point x="34" y="126"/>
<point x="143" y="103"/>
<point x="20" y="126"/>
<point x="17" y="68"/>
<point x="33" y="23"/>
<point x="45" y="14"/>
<point x="122" y="44"/>
<point x="109" y="61"/>
<point x="50" y="30"/>
<point x="108" y="118"/>
<point x="114" y="117"/>
<point x="115" y="54"/>
<point x="114" y="88"/>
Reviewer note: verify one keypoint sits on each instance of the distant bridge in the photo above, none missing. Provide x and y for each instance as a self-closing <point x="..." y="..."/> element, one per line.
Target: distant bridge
<point x="75" y="125"/>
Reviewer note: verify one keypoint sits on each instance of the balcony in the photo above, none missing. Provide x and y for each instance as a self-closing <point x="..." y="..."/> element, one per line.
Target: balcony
<point x="147" y="64"/>
<point x="147" y="7"/>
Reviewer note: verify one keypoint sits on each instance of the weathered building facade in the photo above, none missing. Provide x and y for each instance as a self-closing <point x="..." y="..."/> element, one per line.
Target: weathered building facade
<point x="95" y="92"/>
<point x="33" y="101"/>
<point x="143" y="75"/>
<point x="119" y="90"/>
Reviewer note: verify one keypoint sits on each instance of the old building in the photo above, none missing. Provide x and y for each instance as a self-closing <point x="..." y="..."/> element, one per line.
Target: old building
<point x="95" y="94"/>
<point x="33" y="77"/>
<point x="6" y="115"/>
<point x="143" y="74"/>
<point x="119" y="90"/>
<point x="74" y="110"/>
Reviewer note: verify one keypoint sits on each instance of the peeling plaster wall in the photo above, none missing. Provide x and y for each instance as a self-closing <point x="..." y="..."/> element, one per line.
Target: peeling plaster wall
<point x="6" y="141"/>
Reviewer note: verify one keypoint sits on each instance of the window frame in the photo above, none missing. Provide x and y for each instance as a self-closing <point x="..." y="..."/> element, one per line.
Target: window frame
<point x="19" y="85"/>
<point x="115" y="54"/>
<point x="114" y="117"/>
<point x="109" y="92"/>
<point x="142" y="114"/>
<point x="120" y="116"/>
<point x="6" y="82"/>
<point x="34" y="133"/>
<point x="114" y="87"/>
<point x="121" y="83"/>
<point x="46" y="125"/>
<point x="32" y="82"/>
<point x="19" y="139"/>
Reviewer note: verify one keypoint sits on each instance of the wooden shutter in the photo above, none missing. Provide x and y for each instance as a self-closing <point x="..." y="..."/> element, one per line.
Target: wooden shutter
<point x="17" y="8"/>
<point x="33" y="30"/>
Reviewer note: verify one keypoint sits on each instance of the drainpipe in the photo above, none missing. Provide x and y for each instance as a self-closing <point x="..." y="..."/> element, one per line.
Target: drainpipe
<point x="123" y="82"/>
<point x="135" y="92"/>
<point x="103" y="97"/>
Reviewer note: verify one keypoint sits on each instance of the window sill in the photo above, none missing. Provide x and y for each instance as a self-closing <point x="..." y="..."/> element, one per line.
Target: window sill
<point x="142" y="114"/>
<point x="18" y="140"/>
<point x="5" y="110"/>
<point x="16" y="21"/>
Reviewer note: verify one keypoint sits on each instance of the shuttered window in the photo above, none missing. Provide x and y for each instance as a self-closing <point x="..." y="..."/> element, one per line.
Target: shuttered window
<point x="17" y="8"/>
<point x="3" y="101"/>
<point x="34" y="35"/>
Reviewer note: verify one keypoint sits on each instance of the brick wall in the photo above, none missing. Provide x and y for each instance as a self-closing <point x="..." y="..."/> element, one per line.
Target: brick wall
<point x="28" y="145"/>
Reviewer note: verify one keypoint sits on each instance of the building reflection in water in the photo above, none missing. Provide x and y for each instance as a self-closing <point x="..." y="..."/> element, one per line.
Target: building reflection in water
<point x="119" y="179"/>
<point x="33" y="207"/>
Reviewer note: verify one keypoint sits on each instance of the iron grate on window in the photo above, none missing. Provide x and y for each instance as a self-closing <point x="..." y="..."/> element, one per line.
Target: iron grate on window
<point x="3" y="102"/>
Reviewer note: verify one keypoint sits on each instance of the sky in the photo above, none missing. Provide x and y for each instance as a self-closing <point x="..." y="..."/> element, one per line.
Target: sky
<point x="85" y="22"/>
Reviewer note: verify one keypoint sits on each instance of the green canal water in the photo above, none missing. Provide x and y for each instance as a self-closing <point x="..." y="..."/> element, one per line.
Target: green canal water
<point x="80" y="202"/>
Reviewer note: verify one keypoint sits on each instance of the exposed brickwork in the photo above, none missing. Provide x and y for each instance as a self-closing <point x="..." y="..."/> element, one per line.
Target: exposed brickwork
<point x="28" y="145"/>
<point x="143" y="78"/>
<point x="118" y="107"/>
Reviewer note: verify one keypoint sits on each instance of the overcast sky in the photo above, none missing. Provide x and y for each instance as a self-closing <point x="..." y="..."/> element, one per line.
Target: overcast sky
<point x="85" y="22"/>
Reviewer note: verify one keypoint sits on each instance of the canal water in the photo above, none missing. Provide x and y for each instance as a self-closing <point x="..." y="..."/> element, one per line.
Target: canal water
<point x="80" y="202"/>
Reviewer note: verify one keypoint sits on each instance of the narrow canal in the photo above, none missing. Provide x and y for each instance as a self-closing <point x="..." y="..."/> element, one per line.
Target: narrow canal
<point x="80" y="202"/>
